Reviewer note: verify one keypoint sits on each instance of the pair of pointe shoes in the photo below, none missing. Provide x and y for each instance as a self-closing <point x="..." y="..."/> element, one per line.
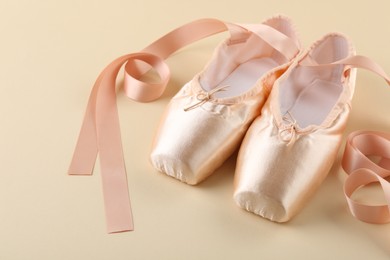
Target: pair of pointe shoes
<point x="284" y="108"/>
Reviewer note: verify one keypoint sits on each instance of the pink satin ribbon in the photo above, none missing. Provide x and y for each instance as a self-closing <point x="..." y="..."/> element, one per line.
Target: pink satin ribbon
<point x="362" y="171"/>
<point x="100" y="131"/>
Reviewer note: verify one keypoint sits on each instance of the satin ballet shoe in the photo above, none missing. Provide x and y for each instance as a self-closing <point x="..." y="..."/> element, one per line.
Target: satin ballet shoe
<point x="288" y="150"/>
<point x="205" y="121"/>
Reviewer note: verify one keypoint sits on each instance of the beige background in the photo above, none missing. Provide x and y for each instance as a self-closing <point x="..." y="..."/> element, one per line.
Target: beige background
<point x="50" y="54"/>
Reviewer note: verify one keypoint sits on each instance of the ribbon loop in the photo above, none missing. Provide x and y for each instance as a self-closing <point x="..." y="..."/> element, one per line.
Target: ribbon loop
<point x="289" y="132"/>
<point x="363" y="171"/>
<point x="145" y="91"/>
<point x="377" y="214"/>
<point x="204" y="97"/>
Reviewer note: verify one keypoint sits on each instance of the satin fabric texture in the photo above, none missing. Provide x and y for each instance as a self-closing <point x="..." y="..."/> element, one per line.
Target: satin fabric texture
<point x="282" y="162"/>
<point x="190" y="144"/>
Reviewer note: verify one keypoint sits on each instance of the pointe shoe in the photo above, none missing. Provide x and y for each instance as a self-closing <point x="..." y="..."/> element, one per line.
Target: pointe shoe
<point x="288" y="150"/>
<point x="206" y="120"/>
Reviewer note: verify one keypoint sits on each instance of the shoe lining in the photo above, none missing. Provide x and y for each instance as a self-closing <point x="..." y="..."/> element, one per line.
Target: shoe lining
<point x="311" y="92"/>
<point x="245" y="76"/>
<point x="240" y="65"/>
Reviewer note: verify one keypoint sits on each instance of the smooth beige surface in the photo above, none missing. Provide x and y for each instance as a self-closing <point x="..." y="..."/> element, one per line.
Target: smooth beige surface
<point x="52" y="51"/>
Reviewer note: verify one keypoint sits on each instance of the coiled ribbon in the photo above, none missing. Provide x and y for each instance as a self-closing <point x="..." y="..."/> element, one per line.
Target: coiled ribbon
<point x="363" y="171"/>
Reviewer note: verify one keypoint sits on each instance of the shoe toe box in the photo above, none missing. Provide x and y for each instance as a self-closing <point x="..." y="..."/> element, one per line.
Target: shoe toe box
<point x="275" y="179"/>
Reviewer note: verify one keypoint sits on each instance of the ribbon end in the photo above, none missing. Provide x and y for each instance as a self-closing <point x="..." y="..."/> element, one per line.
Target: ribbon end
<point x="121" y="229"/>
<point x="78" y="171"/>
